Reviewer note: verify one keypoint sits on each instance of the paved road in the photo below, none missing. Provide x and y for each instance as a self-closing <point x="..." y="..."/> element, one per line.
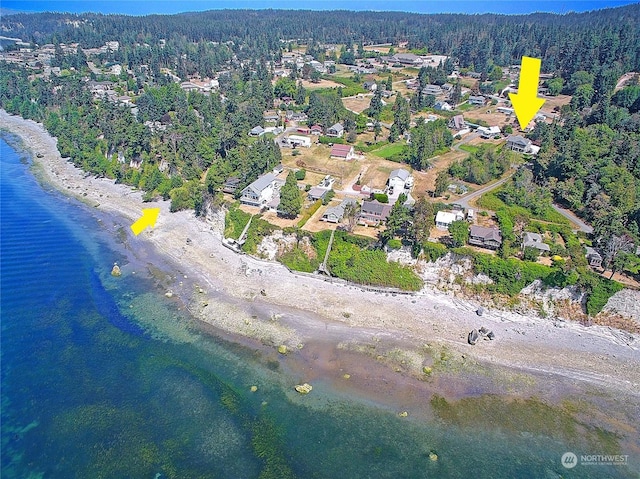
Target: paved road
<point x="582" y="226"/>
<point x="464" y="201"/>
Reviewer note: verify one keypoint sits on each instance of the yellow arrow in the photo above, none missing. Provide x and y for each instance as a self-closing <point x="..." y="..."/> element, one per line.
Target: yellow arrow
<point x="148" y="218"/>
<point x="526" y="102"/>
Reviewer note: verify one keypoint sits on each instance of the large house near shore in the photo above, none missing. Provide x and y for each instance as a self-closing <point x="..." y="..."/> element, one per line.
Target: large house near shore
<point x="374" y="212"/>
<point x="489" y="238"/>
<point x="260" y="192"/>
<point x="534" y="240"/>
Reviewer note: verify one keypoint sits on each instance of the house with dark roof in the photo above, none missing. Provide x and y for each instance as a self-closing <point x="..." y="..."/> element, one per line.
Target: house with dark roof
<point x="534" y="240"/>
<point x="489" y="238"/>
<point x="374" y="212"/>
<point x="519" y="144"/>
<point x="407" y="59"/>
<point x="231" y="185"/>
<point x="260" y="192"/>
<point x="334" y="214"/>
<point x="335" y="131"/>
<point x="345" y="152"/>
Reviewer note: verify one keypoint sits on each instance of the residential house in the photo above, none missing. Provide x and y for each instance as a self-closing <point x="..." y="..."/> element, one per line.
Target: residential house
<point x="593" y="257"/>
<point x="336" y="131"/>
<point x="257" y="131"/>
<point x="519" y="144"/>
<point x="316" y="130"/>
<point x="296" y="116"/>
<point x="370" y="85"/>
<point x="488" y="132"/>
<point x="489" y="238"/>
<point x="432" y="90"/>
<point x="317" y="193"/>
<point x="397" y="181"/>
<point x="457" y="123"/>
<point x="345" y="152"/>
<point x="374" y="212"/>
<point x="445" y="218"/>
<point x="231" y="185"/>
<point x="476" y="100"/>
<point x="534" y="240"/>
<point x="271" y="116"/>
<point x="260" y="192"/>
<point x="443" y="106"/>
<point x="335" y="214"/>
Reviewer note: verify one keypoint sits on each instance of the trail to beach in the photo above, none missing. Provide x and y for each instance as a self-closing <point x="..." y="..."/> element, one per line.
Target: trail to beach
<point x="240" y="295"/>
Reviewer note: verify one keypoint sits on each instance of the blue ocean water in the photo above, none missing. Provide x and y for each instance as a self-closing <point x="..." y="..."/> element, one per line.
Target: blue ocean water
<point x="104" y="377"/>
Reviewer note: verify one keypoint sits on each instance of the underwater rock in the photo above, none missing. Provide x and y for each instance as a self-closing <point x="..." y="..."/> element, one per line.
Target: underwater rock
<point x="282" y="349"/>
<point x="254" y="389"/>
<point x="346" y="376"/>
<point x="433" y="456"/>
<point x="427" y="370"/>
<point x="304" y="388"/>
<point x="116" y="270"/>
<point x="403" y="414"/>
<point x="169" y="294"/>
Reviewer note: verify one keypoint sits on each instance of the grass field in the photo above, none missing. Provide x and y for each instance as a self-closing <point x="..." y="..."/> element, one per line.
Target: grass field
<point x="390" y="151"/>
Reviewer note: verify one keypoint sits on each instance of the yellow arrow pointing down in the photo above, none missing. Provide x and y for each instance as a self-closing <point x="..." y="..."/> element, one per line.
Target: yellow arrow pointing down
<point x="526" y="102"/>
<point x="148" y="218"/>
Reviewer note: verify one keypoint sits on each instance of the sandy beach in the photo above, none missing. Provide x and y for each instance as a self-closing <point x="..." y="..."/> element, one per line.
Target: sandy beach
<point x="403" y="332"/>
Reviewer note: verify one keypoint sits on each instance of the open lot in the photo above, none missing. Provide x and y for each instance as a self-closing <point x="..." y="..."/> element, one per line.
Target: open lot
<point x="320" y="84"/>
<point x="316" y="160"/>
<point x="358" y="103"/>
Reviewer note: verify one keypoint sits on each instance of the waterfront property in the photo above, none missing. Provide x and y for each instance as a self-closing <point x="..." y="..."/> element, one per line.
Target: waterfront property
<point x="260" y="192"/>
<point x="335" y="214"/>
<point x="534" y="240"/>
<point x="489" y="238"/>
<point x="445" y="218"/>
<point x="373" y="212"/>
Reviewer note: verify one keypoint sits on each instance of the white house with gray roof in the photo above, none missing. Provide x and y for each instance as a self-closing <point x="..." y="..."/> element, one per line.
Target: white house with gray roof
<point x="398" y="180"/>
<point x="335" y="214"/>
<point x="519" y="144"/>
<point x="260" y="192"/>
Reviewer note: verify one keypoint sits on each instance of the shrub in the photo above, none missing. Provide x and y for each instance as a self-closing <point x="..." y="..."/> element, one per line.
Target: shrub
<point x="394" y="244"/>
<point x="433" y="251"/>
<point x="381" y="197"/>
<point x="301" y="174"/>
<point x="328" y="197"/>
<point x="234" y="222"/>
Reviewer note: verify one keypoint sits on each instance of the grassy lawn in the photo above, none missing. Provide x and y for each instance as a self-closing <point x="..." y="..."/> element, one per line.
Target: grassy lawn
<point x="491" y="201"/>
<point x="391" y="150"/>
<point x="469" y="148"/>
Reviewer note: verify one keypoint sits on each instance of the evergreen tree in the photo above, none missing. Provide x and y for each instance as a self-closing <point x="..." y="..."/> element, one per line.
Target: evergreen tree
<point x="290" y="198"/>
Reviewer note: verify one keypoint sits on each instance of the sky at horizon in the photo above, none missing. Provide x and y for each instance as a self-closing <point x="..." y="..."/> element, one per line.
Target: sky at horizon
<point x="145" y="7"/>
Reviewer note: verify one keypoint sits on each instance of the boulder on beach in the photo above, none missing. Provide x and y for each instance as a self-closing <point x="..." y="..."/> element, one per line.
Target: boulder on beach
<point x="116" y="270"/>
<point x="304" y="388"/>
<point x="473" y="337"/>
<point x="282" y="349"/>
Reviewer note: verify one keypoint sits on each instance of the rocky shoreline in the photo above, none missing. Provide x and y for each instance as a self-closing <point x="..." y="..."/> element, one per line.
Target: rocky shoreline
<point x="264" y="302"/>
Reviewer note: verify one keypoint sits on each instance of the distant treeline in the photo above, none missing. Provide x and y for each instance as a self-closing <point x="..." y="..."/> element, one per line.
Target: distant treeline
<point x="566" y="43"/>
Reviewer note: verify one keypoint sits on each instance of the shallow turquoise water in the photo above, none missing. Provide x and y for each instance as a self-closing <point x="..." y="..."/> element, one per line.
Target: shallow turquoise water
<point x="104" y="377"/>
